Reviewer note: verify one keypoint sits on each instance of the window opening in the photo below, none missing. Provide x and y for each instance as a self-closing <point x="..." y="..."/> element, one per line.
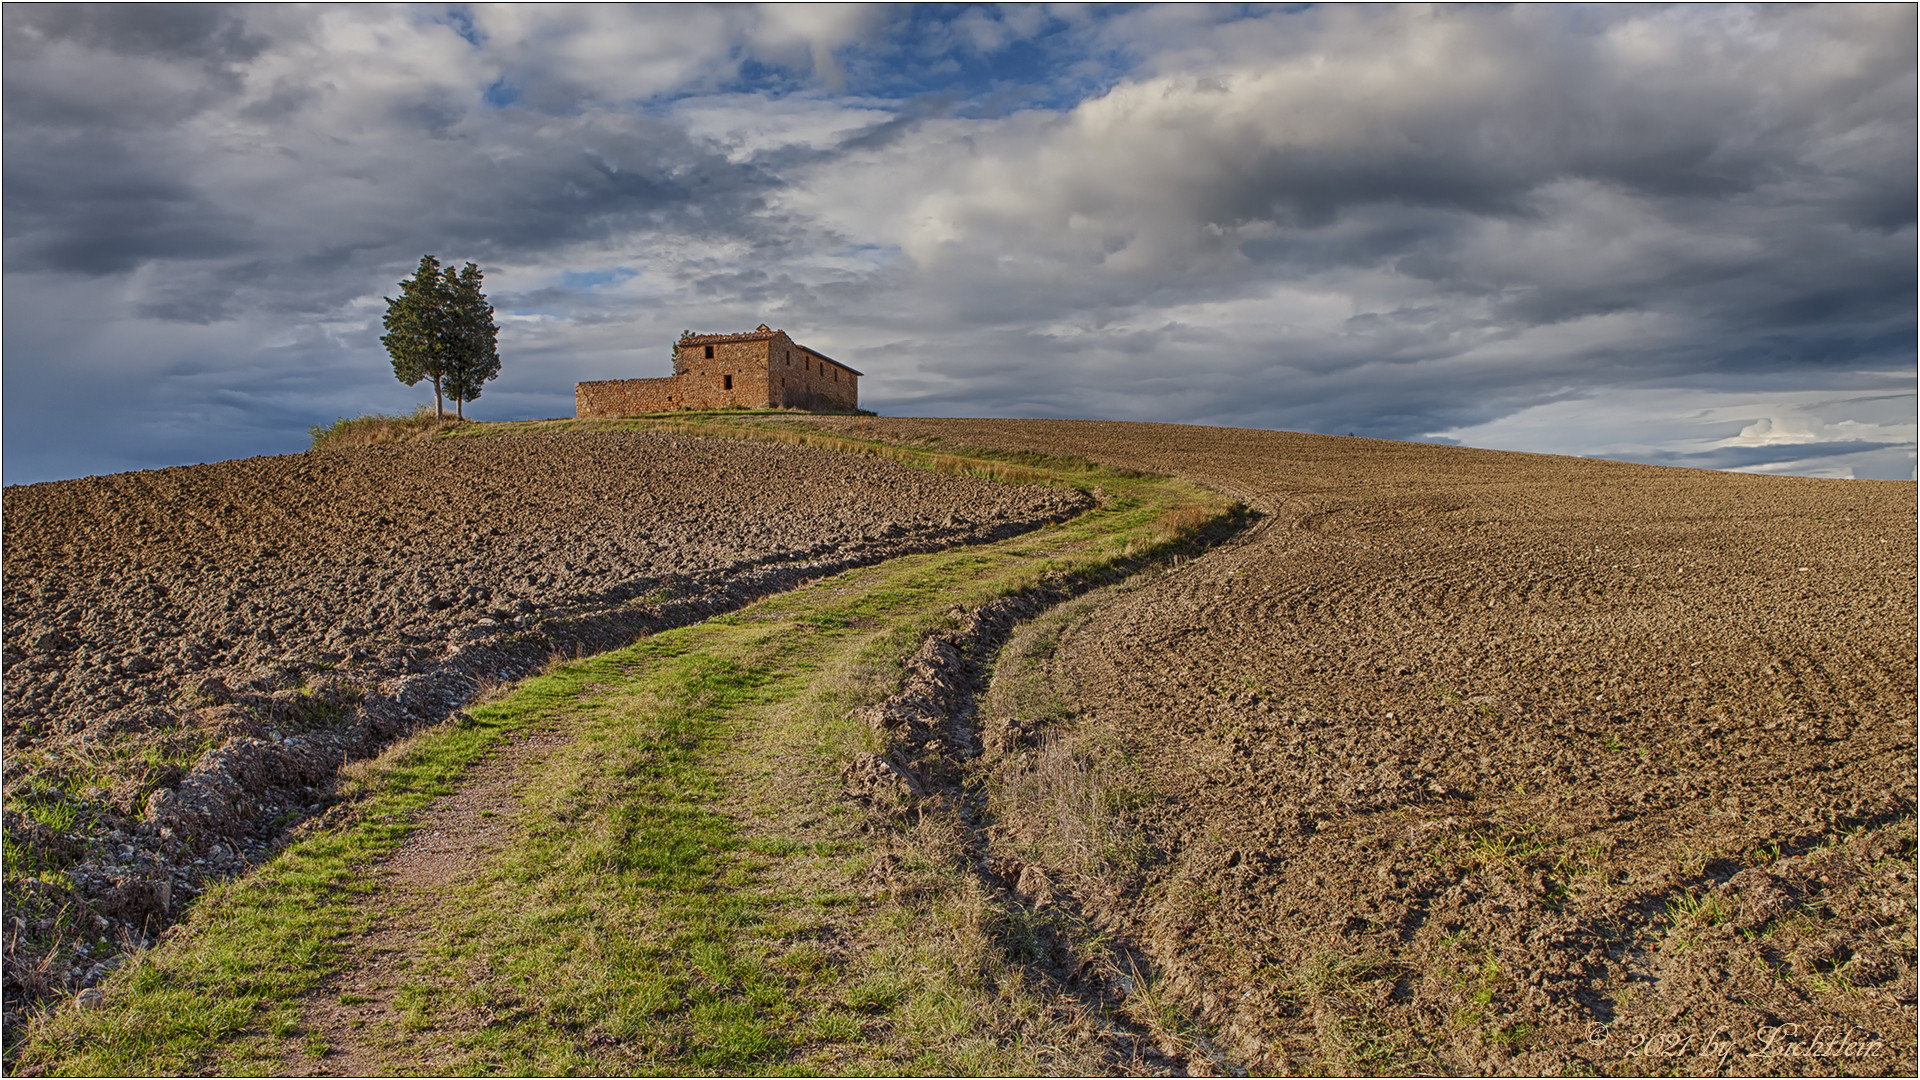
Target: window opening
<point x="728" y="382"/>
<point x="709" y="355"/>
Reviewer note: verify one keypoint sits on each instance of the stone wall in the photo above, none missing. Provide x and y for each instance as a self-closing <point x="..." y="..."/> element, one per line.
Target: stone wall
<point x="626" y="397"/>
<point x="800" y="378"/>
<point x="706" y="377"/>
<point x="761" y="369"/>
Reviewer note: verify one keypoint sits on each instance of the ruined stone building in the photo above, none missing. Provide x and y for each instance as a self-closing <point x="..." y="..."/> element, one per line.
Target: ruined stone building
<point x="760" y="369"/>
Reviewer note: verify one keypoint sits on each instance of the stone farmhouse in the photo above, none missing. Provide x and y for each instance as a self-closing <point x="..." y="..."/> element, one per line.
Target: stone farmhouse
<point x="760" y="369"/>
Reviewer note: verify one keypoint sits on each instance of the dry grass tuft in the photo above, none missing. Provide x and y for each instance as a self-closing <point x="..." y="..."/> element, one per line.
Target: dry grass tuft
<point x="986" y="470"/>
<point x="1076" y="813"/>
<point x="374" y="429"/>
<point x="38" y="973"/>
<point x="1059" y="797"/>
<point x="1179" y="523"/>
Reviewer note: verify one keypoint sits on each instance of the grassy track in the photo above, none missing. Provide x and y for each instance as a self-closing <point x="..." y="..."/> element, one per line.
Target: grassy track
<point x="684" y="887"/>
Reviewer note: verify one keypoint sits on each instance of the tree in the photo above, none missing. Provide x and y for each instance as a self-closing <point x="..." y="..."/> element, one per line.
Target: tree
<point x="441" y="328"/>
<point x="414" y="335"/>
<point x="474" y="350"/>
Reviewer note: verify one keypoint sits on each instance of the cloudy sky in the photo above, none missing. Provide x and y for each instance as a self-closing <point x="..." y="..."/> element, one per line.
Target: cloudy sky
<point x="1681" y="235"/>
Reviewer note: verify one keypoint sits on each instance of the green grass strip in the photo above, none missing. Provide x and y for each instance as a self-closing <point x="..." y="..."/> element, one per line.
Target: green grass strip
<point x="236" y="967"/>
<point x="630" y="925"/>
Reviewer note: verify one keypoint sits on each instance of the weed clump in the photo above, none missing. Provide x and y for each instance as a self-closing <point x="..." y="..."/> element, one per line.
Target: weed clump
<point x="1180" y="523"/>
<point x="375" y="428"/>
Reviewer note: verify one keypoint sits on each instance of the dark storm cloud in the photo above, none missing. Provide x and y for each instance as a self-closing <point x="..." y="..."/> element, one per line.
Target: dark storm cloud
<point x="213" y="35"/>
<point x="308" y="188"/>
<point x="1554" y="209"/>
<point x="78" y="203"/>
<point x="589" y="180"/>
<point x="1398" y="222"/>
<point x="118" y="44"/>
<point x="106" y="207"/>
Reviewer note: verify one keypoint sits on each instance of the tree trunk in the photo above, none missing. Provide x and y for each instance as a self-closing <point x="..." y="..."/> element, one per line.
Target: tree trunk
<point x="439" y="410"/>
<point x="459" y="410"/>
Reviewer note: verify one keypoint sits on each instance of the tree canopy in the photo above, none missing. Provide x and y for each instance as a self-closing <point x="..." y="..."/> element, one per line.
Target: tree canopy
<point x="441" y="328"/>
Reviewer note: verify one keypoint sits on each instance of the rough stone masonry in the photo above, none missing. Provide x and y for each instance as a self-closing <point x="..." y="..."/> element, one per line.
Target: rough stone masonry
<point x="760" y="369"/>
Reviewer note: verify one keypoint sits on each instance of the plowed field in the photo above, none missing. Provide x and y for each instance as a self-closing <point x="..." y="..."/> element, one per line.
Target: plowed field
<point x="119" y="587"/>
<point x="1473" y="761"/>
<point x="190" y="653"/>
<point x="1452" y="761"/>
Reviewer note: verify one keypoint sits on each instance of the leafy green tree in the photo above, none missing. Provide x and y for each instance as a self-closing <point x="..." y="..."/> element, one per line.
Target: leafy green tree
<point x="474" y="350"/>
<point x="441" y="328"/>
<point x="414" y="325"/>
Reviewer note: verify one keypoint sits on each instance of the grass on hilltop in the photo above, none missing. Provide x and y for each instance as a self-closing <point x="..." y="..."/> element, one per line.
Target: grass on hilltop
<point x="375" y="428"/>
<point x="423" y="424"/>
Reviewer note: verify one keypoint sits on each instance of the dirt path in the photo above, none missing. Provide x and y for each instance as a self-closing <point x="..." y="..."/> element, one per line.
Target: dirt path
<point x="356" y="1024"/>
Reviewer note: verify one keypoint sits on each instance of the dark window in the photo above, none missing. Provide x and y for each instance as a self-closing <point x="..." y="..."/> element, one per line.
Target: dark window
<point x="709" y="352"/>
<point x="728" y="382"/>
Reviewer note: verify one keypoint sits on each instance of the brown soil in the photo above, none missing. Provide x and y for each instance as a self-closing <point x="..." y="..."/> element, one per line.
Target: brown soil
<point x="119" y="588"/>
<point x="190" y="653"/>
<point x="1470" y="761"/>
<point x="1457" y="761"/>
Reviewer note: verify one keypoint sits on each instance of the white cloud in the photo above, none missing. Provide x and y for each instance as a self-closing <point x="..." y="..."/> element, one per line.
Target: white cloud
<point x="781" y="30"/>
<point x="1680" y="426"/>
<point x="1791" y="426"/>
<point x="565" y="55"/>
<point x="750" y="125"/>
<point x="1509" y="226"/>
